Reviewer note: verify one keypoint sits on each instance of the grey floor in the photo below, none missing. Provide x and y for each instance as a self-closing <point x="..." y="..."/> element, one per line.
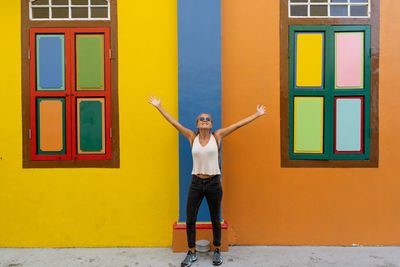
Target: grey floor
<point x="237" y="256"/>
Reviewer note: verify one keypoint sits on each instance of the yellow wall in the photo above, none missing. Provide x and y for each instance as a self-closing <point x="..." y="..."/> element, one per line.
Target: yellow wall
<point x="135" y="205"/>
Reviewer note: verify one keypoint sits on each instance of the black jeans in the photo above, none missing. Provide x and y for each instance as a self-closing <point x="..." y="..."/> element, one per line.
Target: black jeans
<point x="199" y="188"/>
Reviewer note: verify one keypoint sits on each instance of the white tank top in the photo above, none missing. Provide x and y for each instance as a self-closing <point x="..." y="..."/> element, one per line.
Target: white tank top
<point x="205" y="159"/>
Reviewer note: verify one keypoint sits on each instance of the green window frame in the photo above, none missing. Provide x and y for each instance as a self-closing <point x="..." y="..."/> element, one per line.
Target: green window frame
<point x="328" y="92"/>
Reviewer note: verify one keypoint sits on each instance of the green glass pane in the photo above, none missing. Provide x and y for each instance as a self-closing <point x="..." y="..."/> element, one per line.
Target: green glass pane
<point x="90" y="126"/>
<point x="59" y="2"/>
<point x="99" y="12"/>
<point x="40" y="2"/>
<point x="79" y="12"/>
<point x="79" y="2"/>
<point x="59" y="12"/>
<point x="40" y="13"/>
<point x="99" y="2"/>
<point x="308" y="124"/>
<point x="319" y="11"/>
<point x="90" y="61"/>
<point x="298" y="11"/>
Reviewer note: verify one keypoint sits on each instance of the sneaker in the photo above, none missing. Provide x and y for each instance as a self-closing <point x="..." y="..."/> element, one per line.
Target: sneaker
<point x="217" y="259"/>
<point x="190" y="258"/>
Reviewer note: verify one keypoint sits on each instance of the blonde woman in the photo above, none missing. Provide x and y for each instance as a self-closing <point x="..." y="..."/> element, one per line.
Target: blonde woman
<point x="206" y="175"/>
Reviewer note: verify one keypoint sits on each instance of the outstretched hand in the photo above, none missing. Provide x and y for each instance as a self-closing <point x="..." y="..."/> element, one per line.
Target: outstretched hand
<point x="154" y="101"/>
<point x="260" y="110"/>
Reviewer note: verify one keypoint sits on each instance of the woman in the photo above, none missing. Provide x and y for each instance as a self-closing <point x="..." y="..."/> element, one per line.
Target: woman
<point x="206" y="175"/>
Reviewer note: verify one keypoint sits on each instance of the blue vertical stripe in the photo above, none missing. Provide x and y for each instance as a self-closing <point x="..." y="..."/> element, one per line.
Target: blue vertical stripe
<point x="199" y="81"/>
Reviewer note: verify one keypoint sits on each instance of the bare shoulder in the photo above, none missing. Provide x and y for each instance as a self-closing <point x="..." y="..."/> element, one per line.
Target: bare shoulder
<point x="191" y="138"/>
<point x="192" y="134"/>
<point x="218" y="133"/>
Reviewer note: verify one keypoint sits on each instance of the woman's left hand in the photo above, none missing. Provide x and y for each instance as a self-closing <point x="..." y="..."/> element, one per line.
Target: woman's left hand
<point x="260" y="110"/>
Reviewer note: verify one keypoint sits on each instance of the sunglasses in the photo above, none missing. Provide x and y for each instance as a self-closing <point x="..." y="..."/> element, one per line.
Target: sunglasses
<point x="204" y="119"/>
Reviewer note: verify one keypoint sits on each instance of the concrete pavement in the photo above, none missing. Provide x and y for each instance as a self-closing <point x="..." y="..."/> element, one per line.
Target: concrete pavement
<point x="243" y="256"/>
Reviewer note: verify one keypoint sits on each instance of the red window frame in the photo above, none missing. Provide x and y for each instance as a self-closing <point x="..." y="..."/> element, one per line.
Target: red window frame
<point x="70" y="94"/>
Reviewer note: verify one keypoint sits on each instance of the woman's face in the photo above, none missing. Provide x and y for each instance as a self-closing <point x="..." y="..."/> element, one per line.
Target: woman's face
<point x="204" y="121"/>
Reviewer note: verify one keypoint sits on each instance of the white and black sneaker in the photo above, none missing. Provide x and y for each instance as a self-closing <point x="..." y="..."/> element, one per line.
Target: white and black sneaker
<point x="190" y="258"/>
<point x="217" y="259"/>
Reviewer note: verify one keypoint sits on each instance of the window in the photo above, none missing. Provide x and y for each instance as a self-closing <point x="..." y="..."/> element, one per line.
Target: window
<point x="69" y="9"/>
<point x="329" y="8"/>
<point x="329" y="87"/>
<point x="329" y="92"/>
<point x="69" y="90"/>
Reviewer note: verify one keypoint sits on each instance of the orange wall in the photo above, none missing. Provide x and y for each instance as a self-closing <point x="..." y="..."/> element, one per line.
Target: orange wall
<point x="266" y="204"/>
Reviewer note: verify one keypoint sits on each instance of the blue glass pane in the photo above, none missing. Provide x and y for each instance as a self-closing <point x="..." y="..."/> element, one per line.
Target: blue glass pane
<point x="338" y="11"/>
<point x="358" y="11"/>
<point x="50" y="62"/>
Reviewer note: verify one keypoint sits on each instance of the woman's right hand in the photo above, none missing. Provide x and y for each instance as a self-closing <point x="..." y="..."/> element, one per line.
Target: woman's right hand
<point x="154" y="101"/>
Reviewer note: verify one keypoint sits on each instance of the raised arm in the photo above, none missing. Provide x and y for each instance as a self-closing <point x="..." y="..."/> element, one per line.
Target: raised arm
<point x="189" y="134"/>
<point x="221" y="133"/>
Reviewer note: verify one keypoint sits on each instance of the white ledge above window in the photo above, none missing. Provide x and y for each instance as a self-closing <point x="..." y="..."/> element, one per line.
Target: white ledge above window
<point x="329" y="8"/>
<point x="69" y="9"/>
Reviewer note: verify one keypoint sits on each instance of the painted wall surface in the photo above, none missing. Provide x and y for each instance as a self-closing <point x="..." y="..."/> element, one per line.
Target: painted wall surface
<point x="199" y="79"/>
<point x="266" y="204"/>
<point x="135" y="205"/>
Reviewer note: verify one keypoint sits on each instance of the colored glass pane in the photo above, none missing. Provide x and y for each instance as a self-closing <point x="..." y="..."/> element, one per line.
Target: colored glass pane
<point x="349" y="60"/>
<point x="309" y="57"/>
<point x="90" y="61"/>
<point x="308" y="124"/>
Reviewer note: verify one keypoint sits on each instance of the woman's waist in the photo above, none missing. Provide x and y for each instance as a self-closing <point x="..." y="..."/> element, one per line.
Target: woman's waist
<point x="205" y="177"/>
